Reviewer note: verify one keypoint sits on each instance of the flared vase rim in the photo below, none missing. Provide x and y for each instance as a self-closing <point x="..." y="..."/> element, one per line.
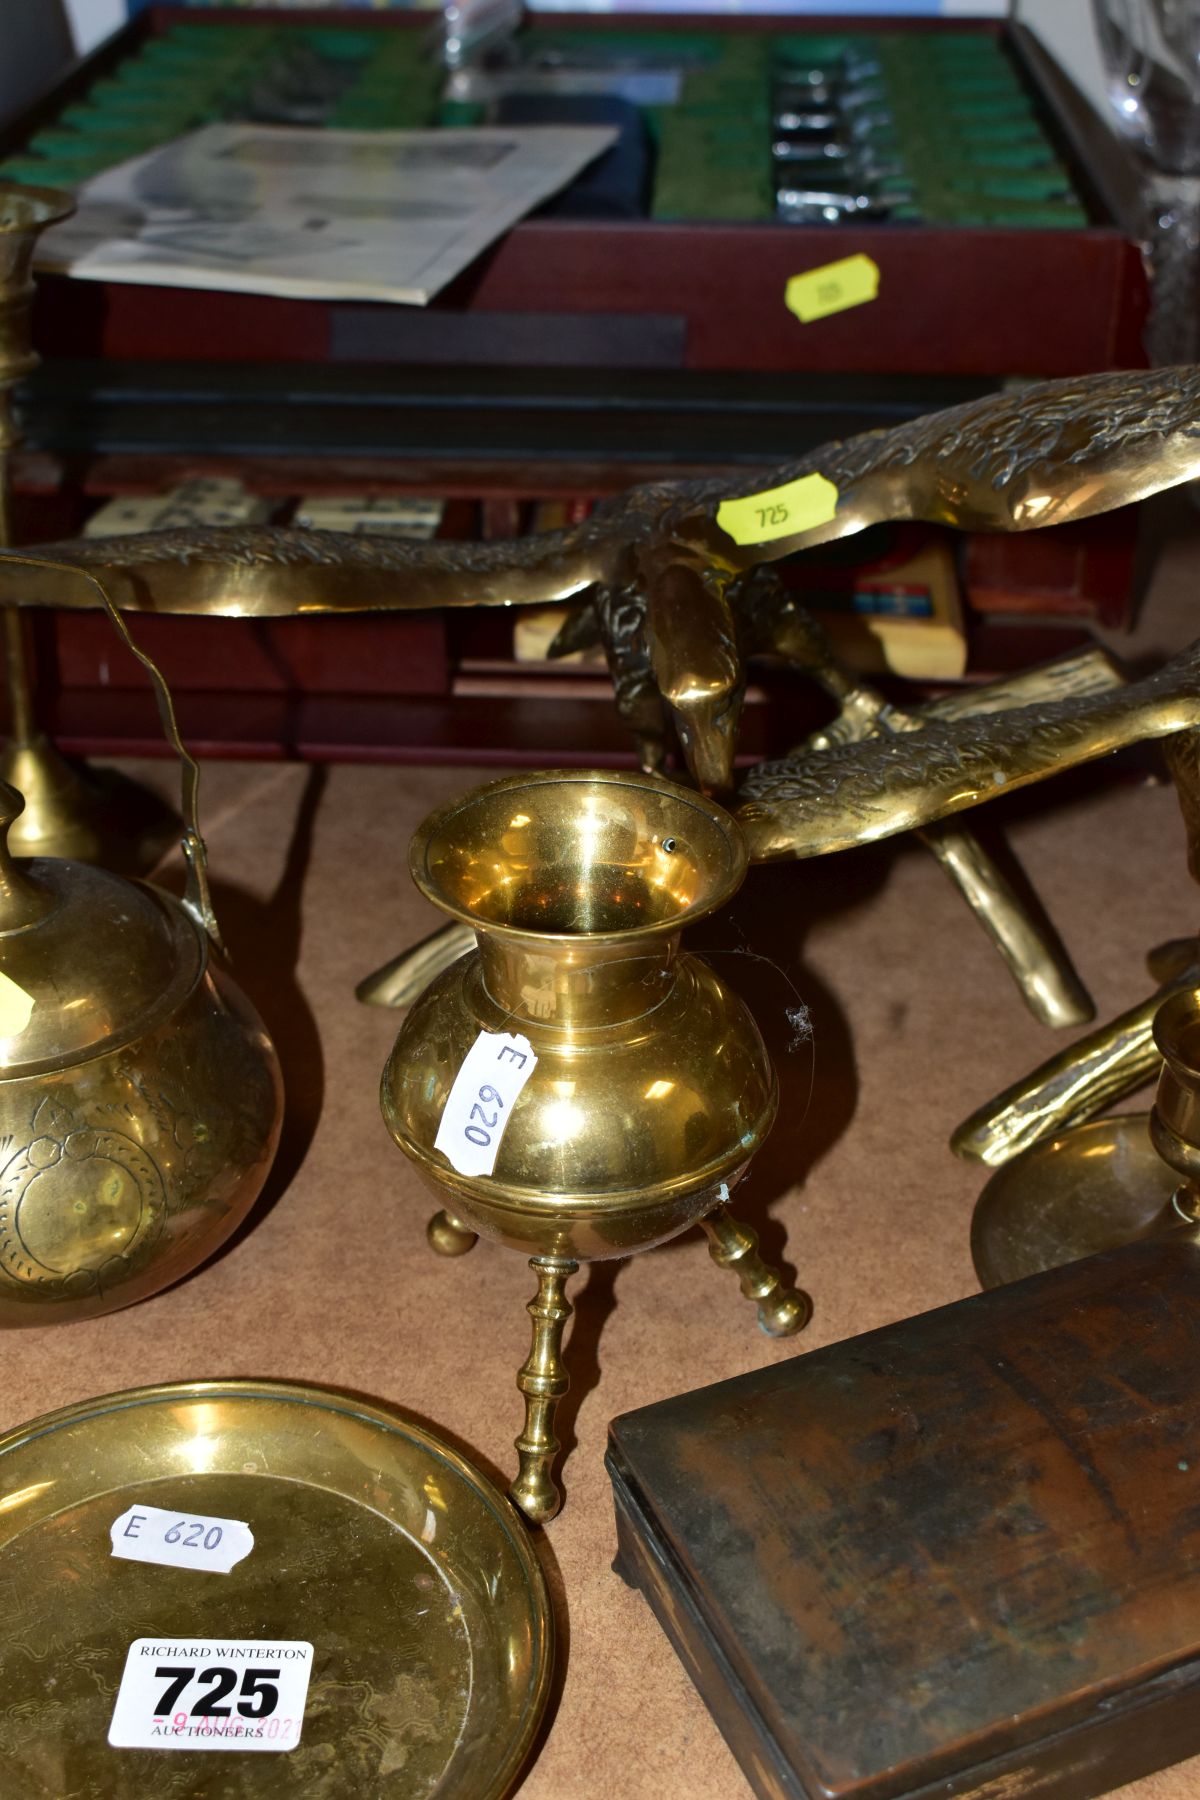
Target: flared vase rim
<point x="718" y="894"/>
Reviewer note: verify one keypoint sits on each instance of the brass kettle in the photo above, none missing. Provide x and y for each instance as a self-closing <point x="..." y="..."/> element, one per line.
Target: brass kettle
<point x="140" y="1096"/>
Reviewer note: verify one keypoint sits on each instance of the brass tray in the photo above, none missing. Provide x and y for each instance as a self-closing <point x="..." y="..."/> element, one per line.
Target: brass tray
<point x="410" y="1575"/>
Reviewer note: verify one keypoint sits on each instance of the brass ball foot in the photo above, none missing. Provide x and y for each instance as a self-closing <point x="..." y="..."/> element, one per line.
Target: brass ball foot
<point x="784" y="1313"/>
<point x="449" y="1236"/>
<point x="536" y="1495"/>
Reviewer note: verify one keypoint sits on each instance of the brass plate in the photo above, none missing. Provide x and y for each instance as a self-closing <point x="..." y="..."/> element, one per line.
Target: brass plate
<point x="1093" y="1187"/>
<point x="409" y="1574"/>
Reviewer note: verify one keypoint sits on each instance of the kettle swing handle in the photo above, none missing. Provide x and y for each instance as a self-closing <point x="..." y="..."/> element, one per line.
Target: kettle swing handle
<point x="197" y="895"/>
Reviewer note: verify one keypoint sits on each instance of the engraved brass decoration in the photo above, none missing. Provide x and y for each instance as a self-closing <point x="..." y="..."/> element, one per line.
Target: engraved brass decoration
<point x="663" y="579"/>
<point x="40" y="1239"/>
<point x="678" y="605"/>
<point x="857" y="793"/>
<point x="652" y="1090"/>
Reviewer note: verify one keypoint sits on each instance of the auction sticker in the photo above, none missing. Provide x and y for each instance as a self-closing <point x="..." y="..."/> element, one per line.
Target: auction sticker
<point x="487" y="1086"/>
<point x="779" y="512"/>
<point x="832" y="288"/>
<point x="211" y="1694"/>
<point x="151" y="1534"/>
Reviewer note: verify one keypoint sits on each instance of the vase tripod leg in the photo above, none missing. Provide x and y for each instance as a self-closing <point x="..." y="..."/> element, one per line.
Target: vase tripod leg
<point x="543" y="1380"/>
<point x="781" y="1309"/>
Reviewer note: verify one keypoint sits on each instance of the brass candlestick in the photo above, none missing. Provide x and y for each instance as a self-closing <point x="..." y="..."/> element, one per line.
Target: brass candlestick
<point x="1065" y="1187"/>
<point x="57" y="817"/>
<point x="85" y="817"/>
<point x="650" y="1088"/>
<point x="1100" y="1185"/>
<point x="1175" y="1119"/>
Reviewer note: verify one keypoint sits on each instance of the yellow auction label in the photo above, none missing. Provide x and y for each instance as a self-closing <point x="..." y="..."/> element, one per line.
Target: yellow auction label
<point x="832" y="288"/>
<point x="779" y="512"/>
<point x="15" y="1007"/>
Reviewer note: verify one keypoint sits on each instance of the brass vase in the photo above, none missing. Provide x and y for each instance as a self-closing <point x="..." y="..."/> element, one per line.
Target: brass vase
<point x="650" y="1088"/>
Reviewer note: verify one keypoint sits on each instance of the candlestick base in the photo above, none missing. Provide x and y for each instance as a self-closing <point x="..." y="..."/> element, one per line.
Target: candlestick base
<point x="87" y="815"/>
<point x="1093" y="1187"/>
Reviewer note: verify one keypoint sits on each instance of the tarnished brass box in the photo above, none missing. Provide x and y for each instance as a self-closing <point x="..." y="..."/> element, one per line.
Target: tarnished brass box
<point x="960" y="1555"/>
